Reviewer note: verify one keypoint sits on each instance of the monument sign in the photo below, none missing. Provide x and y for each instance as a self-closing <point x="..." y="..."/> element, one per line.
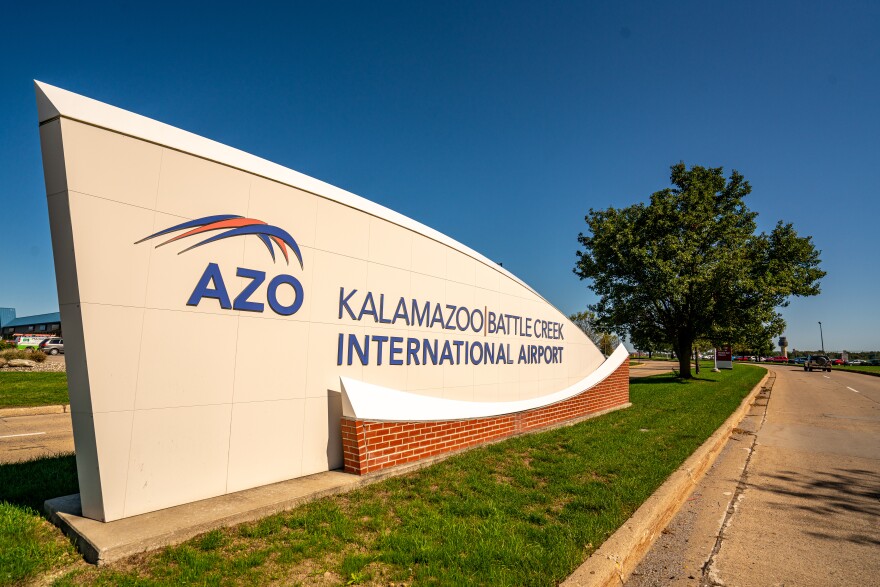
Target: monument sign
<point x="231" y="323"/>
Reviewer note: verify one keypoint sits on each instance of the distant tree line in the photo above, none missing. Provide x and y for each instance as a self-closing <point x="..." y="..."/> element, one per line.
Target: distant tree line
<point x="863" y="355"/>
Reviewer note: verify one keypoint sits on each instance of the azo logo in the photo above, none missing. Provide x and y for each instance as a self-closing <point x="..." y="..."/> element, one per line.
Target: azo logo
<point x="235" y="226"/>
<point x="211" y="284"/>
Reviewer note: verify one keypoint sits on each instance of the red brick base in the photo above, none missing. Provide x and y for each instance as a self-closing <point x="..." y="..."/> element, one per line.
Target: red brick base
<point x="370" y="446"/>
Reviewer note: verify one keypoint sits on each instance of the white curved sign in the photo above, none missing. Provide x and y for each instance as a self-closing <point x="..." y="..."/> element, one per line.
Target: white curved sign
<point x="211" y="301"/>
<point x="365" y="401"/>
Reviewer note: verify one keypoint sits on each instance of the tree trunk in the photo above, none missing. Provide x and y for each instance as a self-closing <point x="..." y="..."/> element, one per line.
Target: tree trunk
<point x="683" y="350"/>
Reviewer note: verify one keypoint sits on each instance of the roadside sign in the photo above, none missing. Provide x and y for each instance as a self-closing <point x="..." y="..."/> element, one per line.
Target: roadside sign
<point x="724" y="358"/>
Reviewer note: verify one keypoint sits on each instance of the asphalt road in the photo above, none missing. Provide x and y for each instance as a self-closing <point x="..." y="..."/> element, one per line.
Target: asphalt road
<point x="29" y="437"/>
<point x="647" y="368"/>
<point x="794" y="499"/>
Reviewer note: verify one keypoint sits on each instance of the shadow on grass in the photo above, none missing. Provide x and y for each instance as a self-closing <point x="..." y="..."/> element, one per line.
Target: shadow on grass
<point x="30" y="483"/>
<point x="666" y="379"/>
<point x="29" y="545"/>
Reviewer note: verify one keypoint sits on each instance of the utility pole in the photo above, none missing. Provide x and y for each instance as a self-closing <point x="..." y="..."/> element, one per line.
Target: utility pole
<point x="821" y="338"/>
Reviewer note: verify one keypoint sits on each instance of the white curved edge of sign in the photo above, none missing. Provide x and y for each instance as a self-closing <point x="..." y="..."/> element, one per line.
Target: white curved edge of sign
<point x="366" y="401"/>
<point x="53" y="102"/>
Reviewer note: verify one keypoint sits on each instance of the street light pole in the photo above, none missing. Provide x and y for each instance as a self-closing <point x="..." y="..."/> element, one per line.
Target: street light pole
<point x="821" y="338"/>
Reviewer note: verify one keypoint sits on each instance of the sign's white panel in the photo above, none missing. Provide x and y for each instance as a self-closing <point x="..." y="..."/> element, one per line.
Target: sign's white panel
<point x="212" y="301"/>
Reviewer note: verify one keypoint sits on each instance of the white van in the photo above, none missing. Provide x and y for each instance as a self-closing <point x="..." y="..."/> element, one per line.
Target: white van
<point x="28" y="342"/>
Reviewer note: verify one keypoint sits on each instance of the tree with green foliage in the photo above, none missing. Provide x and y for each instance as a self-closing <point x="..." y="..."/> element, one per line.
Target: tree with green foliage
<point x="644" y="335"/>
<point x="690" y="265"/>
<point x="606" y="341"/>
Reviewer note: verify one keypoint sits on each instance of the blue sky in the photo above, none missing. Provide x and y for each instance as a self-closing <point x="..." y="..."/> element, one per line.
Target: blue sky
<point x="499" y="124"/>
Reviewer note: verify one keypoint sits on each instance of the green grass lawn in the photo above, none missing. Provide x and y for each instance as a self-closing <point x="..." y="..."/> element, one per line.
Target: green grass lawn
<point x="526" y="511"/>
<point x="19" y="389"/>
<point x="866" y="369"/>
<point x="29" y="545"/>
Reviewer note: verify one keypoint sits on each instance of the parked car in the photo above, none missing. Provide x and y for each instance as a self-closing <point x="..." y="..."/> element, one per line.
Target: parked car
<point x="856" y="362"/>
<point x="837" y="361"/>
<point x="799" y="360"/>
<point x="817" y="363"/>
<point x="873" y="363"/>
<point x="52" y="346"/>
<point x="779" y="359"/>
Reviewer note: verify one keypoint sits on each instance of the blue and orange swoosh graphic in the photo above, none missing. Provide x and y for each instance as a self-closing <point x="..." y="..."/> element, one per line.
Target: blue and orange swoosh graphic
<point x="233" y="226"/>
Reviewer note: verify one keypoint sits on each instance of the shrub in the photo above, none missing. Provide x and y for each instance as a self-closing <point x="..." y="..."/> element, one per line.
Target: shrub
<point x="9" y="354"/>
<point x="5" y="344"/>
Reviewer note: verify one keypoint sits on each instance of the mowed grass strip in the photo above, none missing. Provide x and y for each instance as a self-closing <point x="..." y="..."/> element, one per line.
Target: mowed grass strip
<point x="863" y="369"/>
<point x="29" y="545"/>
<point x="515" y="513"/>
<point x="526" y="511"/>
<point x="18" y="389"/>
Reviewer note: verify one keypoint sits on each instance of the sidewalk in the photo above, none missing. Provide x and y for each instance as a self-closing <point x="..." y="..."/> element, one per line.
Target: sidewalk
<point x="613" y="562"/>
<point x="679" y="556"/>
<point x="792" y="499"/>
<point x="34" y="411"/>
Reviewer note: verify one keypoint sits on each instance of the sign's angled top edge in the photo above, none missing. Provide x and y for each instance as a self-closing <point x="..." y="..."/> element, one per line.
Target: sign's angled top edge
<point x="53" y="102"/>
<point x="46" y="109"/>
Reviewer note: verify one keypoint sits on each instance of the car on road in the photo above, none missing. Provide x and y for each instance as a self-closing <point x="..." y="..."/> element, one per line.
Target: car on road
<point x="817" y="363"/>
<point x="52" y="346"/>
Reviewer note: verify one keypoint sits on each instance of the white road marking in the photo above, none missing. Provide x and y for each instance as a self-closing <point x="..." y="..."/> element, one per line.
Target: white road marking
<point x="826" y="377"/>
<point x="851" y="389"/>
<point x="17" y="435"/>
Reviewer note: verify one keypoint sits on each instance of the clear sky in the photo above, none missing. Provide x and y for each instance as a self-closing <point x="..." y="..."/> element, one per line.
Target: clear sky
<point x="499" y="124"/>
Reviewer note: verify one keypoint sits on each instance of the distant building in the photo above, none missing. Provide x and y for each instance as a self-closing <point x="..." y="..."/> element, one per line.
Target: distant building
<point x="7" y="315"/>
<point x="39" y="324"/>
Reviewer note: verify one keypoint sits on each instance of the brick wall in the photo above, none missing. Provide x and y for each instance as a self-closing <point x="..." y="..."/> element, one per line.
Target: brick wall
<point x="370" y="446"/>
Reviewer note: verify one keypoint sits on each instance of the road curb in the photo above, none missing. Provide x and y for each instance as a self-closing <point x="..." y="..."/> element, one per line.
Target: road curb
<point x="615" y="560"/>
<point x="34" y="411"/>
